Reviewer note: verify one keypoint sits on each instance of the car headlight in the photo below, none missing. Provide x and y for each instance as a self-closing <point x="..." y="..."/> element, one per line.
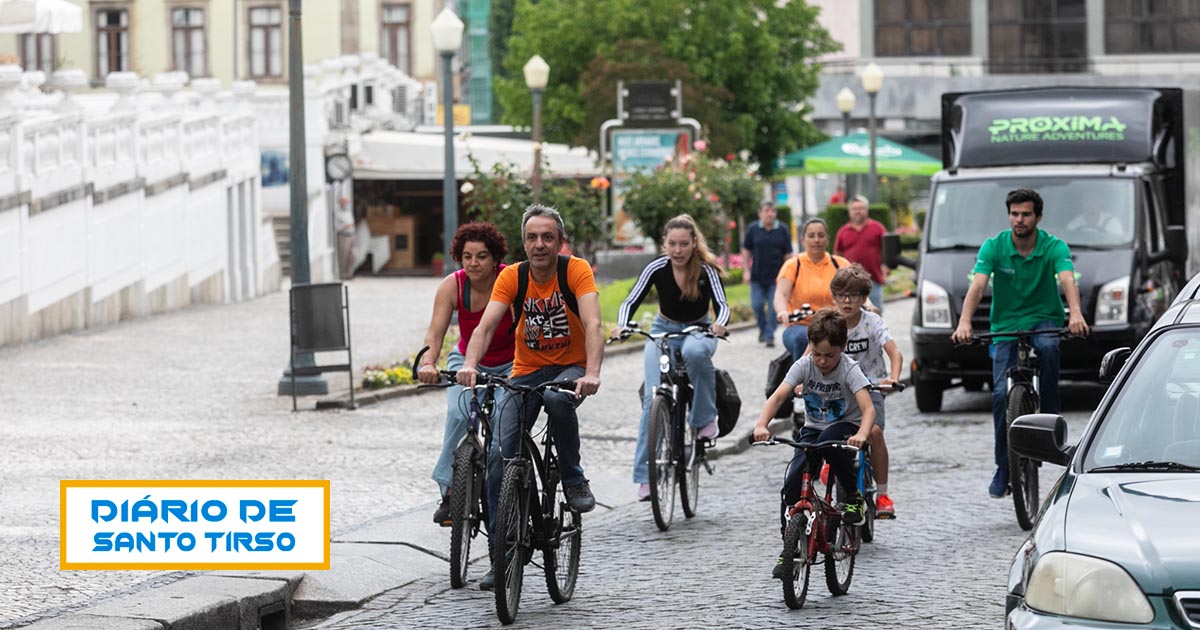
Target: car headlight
<point x="1112" y="305"/>
<point x="935" y="306"/>
<point x="1081" y="586"/>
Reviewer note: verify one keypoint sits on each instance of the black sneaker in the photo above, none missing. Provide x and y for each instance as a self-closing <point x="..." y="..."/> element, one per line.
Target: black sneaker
<point x="855" y="511"/>
<point x="770" y="343"/>
<point x="580" y="498"/>
<point x="442" y="515"/>
<point x="488" y="583"/>
<point x="777" y="572"/>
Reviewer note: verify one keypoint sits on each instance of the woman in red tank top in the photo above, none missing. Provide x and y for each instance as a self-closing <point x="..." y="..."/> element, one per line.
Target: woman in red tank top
<point x="478" y="248"/>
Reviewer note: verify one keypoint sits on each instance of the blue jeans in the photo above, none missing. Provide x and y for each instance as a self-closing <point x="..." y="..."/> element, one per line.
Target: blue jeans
<point x="877" y="296"/>
<point x="458" y="403"/>
<point x="697" y="353"/>
<point x="762" y="302"/>
<point x="841" y="464"/>
<point x="795" y="339"/>
<point x="1004" y="356"/>
<point x="560" y="406"/>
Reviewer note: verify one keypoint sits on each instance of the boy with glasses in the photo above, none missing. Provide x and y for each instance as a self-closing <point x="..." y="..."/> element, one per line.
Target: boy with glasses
<point x="867" y="340"/>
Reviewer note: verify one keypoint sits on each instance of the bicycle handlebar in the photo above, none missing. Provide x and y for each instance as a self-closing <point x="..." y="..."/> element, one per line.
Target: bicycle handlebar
<point x="451" y="378"/>
<point x="632" y="328"/>
<point x="1061" y="332"/>
<point x="804" y="312"/>
<point x="775" y="439"/>
<point x="879" y="387"/>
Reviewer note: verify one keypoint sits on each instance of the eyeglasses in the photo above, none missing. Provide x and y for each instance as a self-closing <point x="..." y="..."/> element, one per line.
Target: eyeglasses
<point x="848" y="297"/>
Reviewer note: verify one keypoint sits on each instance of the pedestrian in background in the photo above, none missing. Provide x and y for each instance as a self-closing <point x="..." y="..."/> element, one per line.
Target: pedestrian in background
<point x="861" y="241"/>
<point x="766" y="245"/>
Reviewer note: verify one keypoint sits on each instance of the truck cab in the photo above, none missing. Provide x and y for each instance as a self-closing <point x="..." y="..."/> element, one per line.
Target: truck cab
<point x="1109" y="165"/>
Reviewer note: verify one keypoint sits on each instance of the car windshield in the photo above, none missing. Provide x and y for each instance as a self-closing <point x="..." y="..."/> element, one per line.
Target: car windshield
<point x="1156" y="416"/>
<point x="1084" y="212"/>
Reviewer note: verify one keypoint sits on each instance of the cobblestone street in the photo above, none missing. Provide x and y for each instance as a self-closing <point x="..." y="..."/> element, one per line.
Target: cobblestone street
<point x="941" y="564"/>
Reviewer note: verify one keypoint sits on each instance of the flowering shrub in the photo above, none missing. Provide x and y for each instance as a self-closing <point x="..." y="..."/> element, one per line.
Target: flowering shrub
<point x="376" y="377"/>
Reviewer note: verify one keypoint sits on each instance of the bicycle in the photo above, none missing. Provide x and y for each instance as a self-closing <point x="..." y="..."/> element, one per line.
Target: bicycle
<point x="810" y="523"/>
<point x="468" y="494"/>
<point x="533" y="514"/>
<point x="1022" y="398"/>
<point x="675" y="456"/>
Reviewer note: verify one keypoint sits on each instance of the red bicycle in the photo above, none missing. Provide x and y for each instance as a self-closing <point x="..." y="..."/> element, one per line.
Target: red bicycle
<point x="815" y="526"/>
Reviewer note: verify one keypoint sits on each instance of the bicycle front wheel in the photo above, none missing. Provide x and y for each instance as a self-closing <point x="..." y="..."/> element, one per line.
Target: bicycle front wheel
<point x="562" y="545"/>
<point x="1022" y="471"/>
<point x="661" y="462"/>
<point x="511" y="540"/>
<point x="464" y="496"/>
<point x="797" y="558"/>
<point x="839" y="562"/>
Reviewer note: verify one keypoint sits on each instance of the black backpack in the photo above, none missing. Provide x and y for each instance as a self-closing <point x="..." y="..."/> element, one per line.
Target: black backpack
<point x="523" y="286"/>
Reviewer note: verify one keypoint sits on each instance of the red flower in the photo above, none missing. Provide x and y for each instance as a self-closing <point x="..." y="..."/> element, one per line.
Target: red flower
<point x="729" y="157"/>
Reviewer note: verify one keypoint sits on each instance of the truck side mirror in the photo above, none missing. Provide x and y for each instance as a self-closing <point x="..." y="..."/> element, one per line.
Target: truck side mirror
<point x="1112" y="363"/>
<point x="1177" y="245"/>
<point x="1042" y="437"/>
<point x="891" y="253"/>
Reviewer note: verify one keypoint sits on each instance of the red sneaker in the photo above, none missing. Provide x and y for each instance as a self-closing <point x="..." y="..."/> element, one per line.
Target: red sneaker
<point x="825" y="473"/>
<point x="884" y="508"/>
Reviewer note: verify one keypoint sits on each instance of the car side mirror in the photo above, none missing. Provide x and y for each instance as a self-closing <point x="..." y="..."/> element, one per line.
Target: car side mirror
<point x="1112" y="363"/>
<point x="1041" y="436"/>
<point x="891" y="253"/>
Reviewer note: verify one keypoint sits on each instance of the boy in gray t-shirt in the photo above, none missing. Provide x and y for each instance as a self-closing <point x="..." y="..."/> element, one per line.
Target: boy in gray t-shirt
<point x="837" y="405"/>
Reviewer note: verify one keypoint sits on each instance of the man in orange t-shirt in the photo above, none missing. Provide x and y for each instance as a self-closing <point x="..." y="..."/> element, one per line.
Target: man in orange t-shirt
<point x="553" y="343"/>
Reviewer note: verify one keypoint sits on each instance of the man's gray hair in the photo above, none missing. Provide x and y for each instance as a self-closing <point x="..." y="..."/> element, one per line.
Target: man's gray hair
<point x="538" y="210"/>
<point x="862" y="199"/>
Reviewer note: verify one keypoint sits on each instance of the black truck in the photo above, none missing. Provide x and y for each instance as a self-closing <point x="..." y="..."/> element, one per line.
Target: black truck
<point x="1112" y="165"/>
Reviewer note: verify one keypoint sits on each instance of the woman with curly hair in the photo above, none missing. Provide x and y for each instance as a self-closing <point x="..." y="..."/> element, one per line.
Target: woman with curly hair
<point x="478" y="248"/>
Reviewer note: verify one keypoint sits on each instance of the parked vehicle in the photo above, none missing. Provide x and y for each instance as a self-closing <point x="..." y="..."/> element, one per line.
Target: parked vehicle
<point x="1110" y="164"/>
<point x="1116" y="540"/>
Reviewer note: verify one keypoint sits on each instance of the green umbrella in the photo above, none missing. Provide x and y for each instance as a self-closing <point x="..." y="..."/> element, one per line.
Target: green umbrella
<point x="852" y="153"/>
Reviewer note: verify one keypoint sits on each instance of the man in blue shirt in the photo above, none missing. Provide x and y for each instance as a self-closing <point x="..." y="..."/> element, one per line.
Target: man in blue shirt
<point x="766" y="245"/>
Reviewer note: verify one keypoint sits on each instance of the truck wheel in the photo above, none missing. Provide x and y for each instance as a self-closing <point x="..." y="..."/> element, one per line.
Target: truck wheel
<point x="972" y="385"/>
<point x="929" y="396"/>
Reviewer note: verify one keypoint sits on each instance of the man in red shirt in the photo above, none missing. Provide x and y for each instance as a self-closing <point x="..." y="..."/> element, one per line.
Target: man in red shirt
<point x="861" y="241"/>
<point x="838" y="197"/>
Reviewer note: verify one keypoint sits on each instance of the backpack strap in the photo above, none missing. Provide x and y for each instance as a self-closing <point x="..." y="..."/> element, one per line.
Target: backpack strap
<point x="564" y="287"/>
<point x="465" y="299"/>
<point x="518" y="306"/>
<point x="833" y="259"/>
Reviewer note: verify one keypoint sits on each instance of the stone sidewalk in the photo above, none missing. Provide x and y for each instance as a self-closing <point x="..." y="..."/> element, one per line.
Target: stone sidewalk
<point x="191" y="394"/>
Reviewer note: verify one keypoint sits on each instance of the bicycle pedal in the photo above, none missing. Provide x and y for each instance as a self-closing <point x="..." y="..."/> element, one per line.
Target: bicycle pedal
<point x="885" y="517"/>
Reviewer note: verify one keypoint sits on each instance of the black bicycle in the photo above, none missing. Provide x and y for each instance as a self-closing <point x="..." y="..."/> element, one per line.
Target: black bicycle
<point x="468" y="485"/>
<point x="1023" y="398"/>
<point x="533" y="513"/>
<point x="674" y="453"/>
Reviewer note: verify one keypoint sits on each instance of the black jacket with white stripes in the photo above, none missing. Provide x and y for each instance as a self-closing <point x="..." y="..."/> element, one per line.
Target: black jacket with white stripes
<point x="670" y="297"/>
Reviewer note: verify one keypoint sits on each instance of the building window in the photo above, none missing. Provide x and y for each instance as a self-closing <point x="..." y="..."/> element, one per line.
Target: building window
<point x="924" y="28"/>
<point x="1037" y="36"/>
<point x="187" y="41"/>
<point x="395" y="40"/>
<point x="1142" y="26"/>
<point x="112" y="41"/>
<point x="37" y="51"/>
<point x="266" y="42"/>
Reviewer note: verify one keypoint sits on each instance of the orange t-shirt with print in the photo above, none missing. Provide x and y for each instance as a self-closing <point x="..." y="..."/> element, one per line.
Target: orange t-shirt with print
<point x="548" y="333"/>
<point x="812" y="285"/>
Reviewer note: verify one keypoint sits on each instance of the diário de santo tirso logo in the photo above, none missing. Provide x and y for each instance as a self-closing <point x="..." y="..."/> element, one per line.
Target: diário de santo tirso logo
<point x="193" y="525"/>
<point x="1057" y="129"/>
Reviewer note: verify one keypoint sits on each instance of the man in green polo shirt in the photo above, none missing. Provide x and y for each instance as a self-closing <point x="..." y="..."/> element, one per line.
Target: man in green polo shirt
<point x="1026" y="265"/>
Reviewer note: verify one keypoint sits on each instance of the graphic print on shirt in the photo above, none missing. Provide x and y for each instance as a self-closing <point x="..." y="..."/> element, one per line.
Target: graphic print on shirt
<point x="546" y="324"/>
<point x="857" y="346"/>
<point x="820" y="404"/>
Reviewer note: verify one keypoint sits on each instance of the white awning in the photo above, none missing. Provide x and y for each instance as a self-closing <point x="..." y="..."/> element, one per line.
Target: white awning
<point x="40" y="16"/>
<point x="407" y="155"/>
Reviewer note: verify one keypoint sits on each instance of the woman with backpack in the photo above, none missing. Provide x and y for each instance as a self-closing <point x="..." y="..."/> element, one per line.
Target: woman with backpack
<point x="687" y="281"/>
<point x="804" y="279"/>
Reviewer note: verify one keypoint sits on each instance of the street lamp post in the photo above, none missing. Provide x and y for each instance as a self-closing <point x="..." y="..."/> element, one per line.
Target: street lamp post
<point x="537" y="74"/>
<point x="872" y="80"/>
<point x="298" y="183"/>
<point x="845" y="104"/>
<point x="447" y="39"/>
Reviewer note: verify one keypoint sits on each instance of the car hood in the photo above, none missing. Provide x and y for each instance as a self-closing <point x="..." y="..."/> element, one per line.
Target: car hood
<point x="1149" y="523"/>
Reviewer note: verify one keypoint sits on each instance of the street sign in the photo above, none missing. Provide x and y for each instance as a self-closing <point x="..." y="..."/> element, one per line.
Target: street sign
<point x="640" y="151"/>
<point x="649" y="103"/>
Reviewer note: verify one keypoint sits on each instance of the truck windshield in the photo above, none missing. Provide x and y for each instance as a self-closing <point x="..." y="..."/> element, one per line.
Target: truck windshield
<point x="1084" y="212"/>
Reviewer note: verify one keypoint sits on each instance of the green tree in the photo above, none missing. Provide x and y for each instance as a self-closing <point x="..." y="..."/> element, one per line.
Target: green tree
<point x="759" y="53"/>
